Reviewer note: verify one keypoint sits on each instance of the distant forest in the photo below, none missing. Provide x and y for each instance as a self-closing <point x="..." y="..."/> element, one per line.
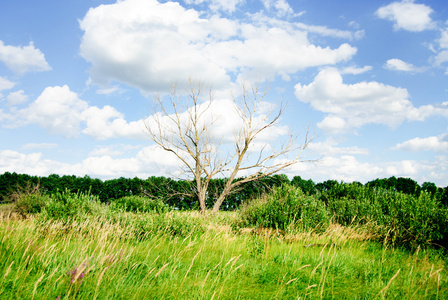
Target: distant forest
<point x="180" y="193"/>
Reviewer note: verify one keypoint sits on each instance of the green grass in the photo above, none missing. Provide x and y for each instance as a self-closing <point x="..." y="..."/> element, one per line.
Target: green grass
<point x="100" y="258"/>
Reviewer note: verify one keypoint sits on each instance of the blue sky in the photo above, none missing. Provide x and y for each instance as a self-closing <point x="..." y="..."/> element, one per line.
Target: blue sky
<point x="77" y="79"/>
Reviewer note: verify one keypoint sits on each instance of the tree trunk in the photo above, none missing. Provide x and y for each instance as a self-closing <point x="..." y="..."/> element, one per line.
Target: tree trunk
<point x="222" y="196"/>
<point x="201" y="198"/>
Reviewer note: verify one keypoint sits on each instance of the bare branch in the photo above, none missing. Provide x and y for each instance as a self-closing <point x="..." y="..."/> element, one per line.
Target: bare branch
<point x="188" y="134"/>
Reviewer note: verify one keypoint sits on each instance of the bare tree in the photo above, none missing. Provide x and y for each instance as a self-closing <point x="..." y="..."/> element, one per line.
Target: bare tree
<point x="185" y="127"/>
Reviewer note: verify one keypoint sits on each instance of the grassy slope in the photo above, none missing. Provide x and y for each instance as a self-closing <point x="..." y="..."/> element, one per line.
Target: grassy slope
<point x="48" y="261"/>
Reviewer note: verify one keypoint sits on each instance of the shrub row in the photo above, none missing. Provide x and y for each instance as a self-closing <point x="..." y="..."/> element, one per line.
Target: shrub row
<point x="180" y="193"/>
<point x="399" y="219"/>
<point x="286" y="208"/>
<point x="176" y="193"/>
<point x="395" y="217"/>
<point x="68" y="208"/>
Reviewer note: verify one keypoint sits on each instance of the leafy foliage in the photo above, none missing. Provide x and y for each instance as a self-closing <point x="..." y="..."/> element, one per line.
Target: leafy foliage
<point x="140" y="204"/>
<point x="402" y="219"/>
<point x="66" y="205"/>
<point x="397" y="210"/>
<point x="29" y="200"/>
<point x="285" y="208"/>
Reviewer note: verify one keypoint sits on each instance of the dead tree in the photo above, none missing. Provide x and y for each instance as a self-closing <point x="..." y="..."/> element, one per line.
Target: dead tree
<point x="184" y="126"/>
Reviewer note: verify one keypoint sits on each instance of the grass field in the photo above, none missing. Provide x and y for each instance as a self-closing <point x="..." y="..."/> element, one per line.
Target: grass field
<point x="203" y="258"/>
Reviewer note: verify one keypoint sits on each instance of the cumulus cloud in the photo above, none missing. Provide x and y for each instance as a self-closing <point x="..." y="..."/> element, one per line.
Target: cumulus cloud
<point x="150" y="45"/>
<point x="339" y="163"/>
<point x="347" y="164"/>
<point x="23" y="59"/>
<point x="112" y="150"/>
<point x="432" y="143"/>
<point x="109" y="90"/>
<point x="442" y="52"/>
<point x="31" y="146"/>
<point x="443" y="40"/>
<point x="407" y="15"/>
<point x="105" y="123"/>
<point x="351" y="106"/>
<point x="223" y="122"/>
<point x="337" y="167"/>
<point x="399" y="65"/>
<point x="57" y="109"/>
<point x="150" y="161"/>
<point x="330" y="32"/>
<point x="60" y="111"/>
<point x="404" y="168"/>
<point x="330" y="147"/>
<point x="356" y="71"/>
<point x="5" y="84"/>
<point x="218" y="5"/>
<point x="281" y="7"/>
<point x="16" y="98"/>
<point x="34" y="164"/>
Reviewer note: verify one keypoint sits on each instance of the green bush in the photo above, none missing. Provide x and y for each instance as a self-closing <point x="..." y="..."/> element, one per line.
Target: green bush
<point x="352" y="203"/>
<point x="67" y="205"/>
<point x="285" y="208"/>
<point x="139" y="204"/>
<point x="401" y="219"/>
<point x="414" y="221"/>
<point x="28" y="199"/>
<point x="171" y="224"/>
<point x="30" y="203"/>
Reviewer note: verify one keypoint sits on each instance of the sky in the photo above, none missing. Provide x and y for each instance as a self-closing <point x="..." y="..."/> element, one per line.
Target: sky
<point x="369" y="78"/>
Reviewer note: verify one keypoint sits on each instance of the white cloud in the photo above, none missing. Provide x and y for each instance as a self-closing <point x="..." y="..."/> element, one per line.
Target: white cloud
<point x="150" y="161"/>
<point x="103" y="123"/>
<point x="443" y="40"/>
<point x="356" y="71"/>
<point x="399" y="65"/>
<point x="223" y="122"/>
<point x="112" y="150"/>
<point x="353" y="105"/>
<point x="3" y="116"/>
<point x="5" y="84"/>
<point x="16" y="98"/>
<point x="405" y="168"/>
<point x="31" y="146"/>
<point x="109" y="90"/>
<point x="281" y="7"/>
<point x="57" y="109"/>
<point x="217" y="5"/>
<point x="23" y="59"/>
<point x="442" y="54"/>
<point x="432" y="143"/>
<point x="150" y="45"/>
<point x="354" y="24"/>
<point x="337" y="167"/>
<point x="33" y="164"/>
<point x="339" y="163"/>
<point x="330" y="147"/>
<point x="61" y="111"/>
<point x="407" y="15"/>
<point x="330" y="32"/>
<point x="333" y="124"/>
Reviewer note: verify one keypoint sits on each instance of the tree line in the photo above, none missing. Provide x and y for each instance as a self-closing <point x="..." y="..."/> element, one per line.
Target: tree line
<point x="181" y="194"/>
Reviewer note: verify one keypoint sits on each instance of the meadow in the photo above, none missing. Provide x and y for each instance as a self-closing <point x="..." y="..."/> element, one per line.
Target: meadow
<point x="283" y="245"/>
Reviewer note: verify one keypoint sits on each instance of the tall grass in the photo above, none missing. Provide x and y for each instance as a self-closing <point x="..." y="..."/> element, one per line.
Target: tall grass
<point x="99" y="259"/>
<point x="395" y="218"/>
<point x="75" y="247"/>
